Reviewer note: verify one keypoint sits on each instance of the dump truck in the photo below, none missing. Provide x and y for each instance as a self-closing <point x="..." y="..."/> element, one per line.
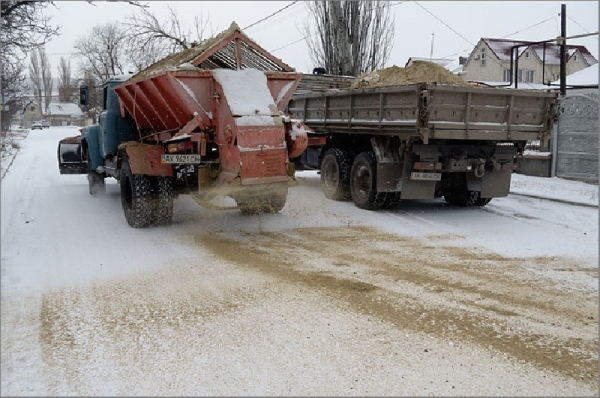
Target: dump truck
<point x="206" y="122"/>
<point x="379" y="145"/>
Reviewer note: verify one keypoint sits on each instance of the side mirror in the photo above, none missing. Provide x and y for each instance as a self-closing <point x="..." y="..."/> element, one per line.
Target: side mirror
<point x="83" y="95"/>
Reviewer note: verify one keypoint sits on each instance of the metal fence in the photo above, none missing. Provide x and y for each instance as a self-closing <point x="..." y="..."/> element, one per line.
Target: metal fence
<point x="575" y="139"/>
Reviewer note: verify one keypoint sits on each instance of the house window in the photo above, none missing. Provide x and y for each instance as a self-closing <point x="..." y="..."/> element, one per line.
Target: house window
<point x="506" y="75"/>
<point x="527" y="54"/>
<point x="526" y="75"/>
<point x="32" y="108"/>
<point x="483" y="56"/>
<point x="575" y="59"/>
<point x="529" y="76"/>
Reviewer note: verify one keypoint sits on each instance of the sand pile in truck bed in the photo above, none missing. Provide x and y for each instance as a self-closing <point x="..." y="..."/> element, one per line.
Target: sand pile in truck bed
<point x="417" y="72"/>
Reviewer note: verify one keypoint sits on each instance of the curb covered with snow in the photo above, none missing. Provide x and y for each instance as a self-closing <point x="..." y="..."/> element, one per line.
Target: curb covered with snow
<point x="558" y="189"/>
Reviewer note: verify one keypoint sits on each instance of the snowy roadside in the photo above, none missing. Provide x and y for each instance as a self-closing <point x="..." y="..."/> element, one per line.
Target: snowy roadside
<point x="11" y="143"/>
<point x="540" y="187"/>
<point x="555" y="188"/>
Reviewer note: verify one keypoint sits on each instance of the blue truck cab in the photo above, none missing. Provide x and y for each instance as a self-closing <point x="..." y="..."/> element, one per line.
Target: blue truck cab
<point x="95" y="151"/>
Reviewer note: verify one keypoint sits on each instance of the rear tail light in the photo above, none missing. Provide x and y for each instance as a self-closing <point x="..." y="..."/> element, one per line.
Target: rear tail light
<point x="180" y="147"/>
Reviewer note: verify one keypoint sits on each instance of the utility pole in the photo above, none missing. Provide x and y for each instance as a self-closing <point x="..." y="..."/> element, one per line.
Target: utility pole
<point x="563" y="49"/>
<point x="431" y="51"/>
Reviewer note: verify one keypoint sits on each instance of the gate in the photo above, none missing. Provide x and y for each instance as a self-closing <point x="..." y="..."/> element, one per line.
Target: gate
<point x="576" y="143"/>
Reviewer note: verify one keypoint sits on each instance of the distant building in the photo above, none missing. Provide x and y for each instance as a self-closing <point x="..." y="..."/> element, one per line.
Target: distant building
<point x="30" y="113"/>
<point x="64" y="114"/>
<point x="537" y="63"/>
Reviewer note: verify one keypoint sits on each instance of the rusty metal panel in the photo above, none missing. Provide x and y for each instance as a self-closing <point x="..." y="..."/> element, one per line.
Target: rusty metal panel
<point x="267" y="165"/>
<point x="168" y="100"/>
<point x="263" y="154"/>
<point x="253" y="137"/>
<point x="282" y="86"/>
<point x="146" y="159"/>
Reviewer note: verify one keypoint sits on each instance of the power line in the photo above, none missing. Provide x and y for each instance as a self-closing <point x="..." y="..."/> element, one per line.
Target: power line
<point x="529" y="27"/>
<point x="444" y="23"/>
<point x="269" y="16"/>
<point x="578" y="24"/>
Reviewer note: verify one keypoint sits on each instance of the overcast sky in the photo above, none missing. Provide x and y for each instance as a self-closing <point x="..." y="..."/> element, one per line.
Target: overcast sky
<point x="452" y="27"/>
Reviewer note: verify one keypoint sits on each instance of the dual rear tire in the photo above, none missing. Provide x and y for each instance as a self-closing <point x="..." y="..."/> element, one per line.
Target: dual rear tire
<point x="146" y="200"/>
<point x="458" y="194"/>
<point x="363" y="185"/>
<point x="344" y="178"/>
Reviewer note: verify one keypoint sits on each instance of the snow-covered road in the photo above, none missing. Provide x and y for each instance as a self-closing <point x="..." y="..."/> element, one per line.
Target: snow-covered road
<point x="321" y="299"/>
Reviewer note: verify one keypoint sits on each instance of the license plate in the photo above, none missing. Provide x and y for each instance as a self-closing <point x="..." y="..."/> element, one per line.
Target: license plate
<point x="426" y="176"/>
<point x="181" y="159"/>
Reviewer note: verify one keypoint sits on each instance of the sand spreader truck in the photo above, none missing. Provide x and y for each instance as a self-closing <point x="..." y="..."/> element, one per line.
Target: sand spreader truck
<point x="207" y="121"/>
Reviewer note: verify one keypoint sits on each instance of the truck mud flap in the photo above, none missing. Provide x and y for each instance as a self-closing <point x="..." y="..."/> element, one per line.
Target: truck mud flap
<point x="69" y="156"/>
<point x="494" y="184"/>
<point x="146" y="159"/>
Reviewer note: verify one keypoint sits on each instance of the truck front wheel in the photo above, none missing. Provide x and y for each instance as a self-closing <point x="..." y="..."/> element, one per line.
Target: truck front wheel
<point x="363" y="182"/>
<point x="136" y="197"/>
<point x="335" y="174"/>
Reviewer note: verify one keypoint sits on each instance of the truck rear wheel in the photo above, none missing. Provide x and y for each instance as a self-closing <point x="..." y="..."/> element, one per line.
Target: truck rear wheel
<point x="136" y="197"/>
<point x="163" y="206"/>
<point x="335" y="174"/>
<point x="457" y="194"/>
<point x="363" y="182"/>
<point x="96" y="184"/>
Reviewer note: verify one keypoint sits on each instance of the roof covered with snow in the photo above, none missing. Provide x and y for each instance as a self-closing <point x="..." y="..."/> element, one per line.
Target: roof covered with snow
<point x="584" y="77"/>
<point x="64" y="109"/>
<point x="502" y="48"/>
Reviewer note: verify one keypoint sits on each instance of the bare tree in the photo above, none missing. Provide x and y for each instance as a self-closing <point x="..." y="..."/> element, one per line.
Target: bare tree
<point x="41" y="78"/>
<point x="23" y="27"/>
<point x="103" y="50"/>
<point x="66" y="88"/>
<point x="350" y="37"/>
<point x="46" y="77"/>
<point x="35" y="76"/>
<point x="150" y="40"/>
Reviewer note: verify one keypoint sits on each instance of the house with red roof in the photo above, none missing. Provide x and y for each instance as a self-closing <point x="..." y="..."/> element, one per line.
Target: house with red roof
<point x="490" y="61"/>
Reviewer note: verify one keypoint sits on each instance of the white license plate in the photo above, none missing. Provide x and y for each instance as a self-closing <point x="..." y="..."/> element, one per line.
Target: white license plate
<point x="181" y="159"/>
<point x="426" y="176"/>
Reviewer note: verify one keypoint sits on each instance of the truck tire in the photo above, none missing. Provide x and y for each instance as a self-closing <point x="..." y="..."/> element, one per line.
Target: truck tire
<point x="163" y="201"/>
<point x="389" y="200"/>
<point x="96" y="184"/>
<point x="363" y="182"/>
<point x="462" y="197"/>
<point x="482" y="201"/>
<point x="335" y="174"/>
<point x="136" y="197"/>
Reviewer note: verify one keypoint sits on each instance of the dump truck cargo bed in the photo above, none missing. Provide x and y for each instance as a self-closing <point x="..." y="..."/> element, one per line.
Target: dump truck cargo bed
<point x="431" y="111"/>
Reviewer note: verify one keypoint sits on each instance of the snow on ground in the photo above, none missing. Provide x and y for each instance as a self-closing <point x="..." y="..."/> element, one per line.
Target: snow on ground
<point x="321" y="299"/>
